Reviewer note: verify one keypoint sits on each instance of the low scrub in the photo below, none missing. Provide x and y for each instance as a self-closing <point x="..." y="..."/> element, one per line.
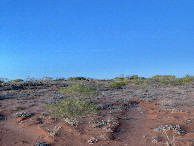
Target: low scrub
<point x="172" y="80"/>
<point x="116" y="84"/>
<point x="17" y="80"/>
<point x="163" y="77"/>
<point x="185" y="80"/>
<point x="72" y="108"/>
<point x="141" y="82"/>
<point x="134" y="77"/>
<point x="119" y="78"/>
<point x="76" y="78"/>
<point x="80" y="90"/>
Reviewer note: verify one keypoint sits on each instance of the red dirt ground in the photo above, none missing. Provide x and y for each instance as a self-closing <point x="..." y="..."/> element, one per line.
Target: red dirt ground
<point x="137" y="130"/>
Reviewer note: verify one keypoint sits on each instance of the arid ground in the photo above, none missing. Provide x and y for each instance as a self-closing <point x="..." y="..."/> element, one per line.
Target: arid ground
<point x="133" y="115"/>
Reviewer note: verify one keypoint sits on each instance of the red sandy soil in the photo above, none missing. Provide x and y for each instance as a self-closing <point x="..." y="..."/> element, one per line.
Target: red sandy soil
<point x="138" y="130"/>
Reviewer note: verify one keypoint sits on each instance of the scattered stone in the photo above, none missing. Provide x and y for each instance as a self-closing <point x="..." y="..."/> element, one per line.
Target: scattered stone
<point x="106" y="106"/>
<point x="175" y="128"/>
<point x="155" y="140"/>
<point x="44" y="113"/>
<point x="92" y="140"/>
<point x="42" y="144"/>
<point x="22" y="114"/>
<point x="118" y="131"/>
<point x="100" y="124"/>
<point x="20" y="108"/>
<point x="106" y="136"/>
<point x="109" y="125"/>
<point x="2" y="117"/>
<point x="126" y="118"/>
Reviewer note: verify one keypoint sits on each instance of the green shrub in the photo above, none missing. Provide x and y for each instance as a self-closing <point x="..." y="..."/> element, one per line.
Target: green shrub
<point x="172" y="80"/>
<point x="119" y="78"/>
<point x="76" y="78"/>
<point x="141" y="82"/>
<point x="116" y="84"/>
<point x="17" y="80"/>
<point x="184" y="80"/>
<point x="100" y="83"/>
<point x="70" y="107"/>
<point x="160" y="77"/>
<point x="134" y="77"/>
<point x="80" y="90"/>
<point x="164" y="79"/>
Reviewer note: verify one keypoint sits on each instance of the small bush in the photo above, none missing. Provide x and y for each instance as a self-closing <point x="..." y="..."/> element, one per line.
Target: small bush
<point x="116" y="84"/>
<point x="72" y="108"/>
<point x="17" y="80"/>
<point x="80" y="90"/>
<point x="183" y="81"/>
<point x="100" y="83"/>
<point x="139" y="81"/>
<point x="76" y="78"/>
<point x="134" y="77"/>
<point x="119" y="78"/>
<point x="164" y="79"/>
<point x="172" y="80"/>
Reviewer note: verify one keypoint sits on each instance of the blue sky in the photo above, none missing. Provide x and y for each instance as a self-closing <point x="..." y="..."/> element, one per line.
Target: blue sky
<point x="96" y="38"/>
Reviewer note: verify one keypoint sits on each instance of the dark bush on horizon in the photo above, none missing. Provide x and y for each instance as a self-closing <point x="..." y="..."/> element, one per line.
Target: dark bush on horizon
<point x="76" y="78"/>
<point x="17" y="80"/>
<point x="134" y="77"/>
<point x="172" y="80"/>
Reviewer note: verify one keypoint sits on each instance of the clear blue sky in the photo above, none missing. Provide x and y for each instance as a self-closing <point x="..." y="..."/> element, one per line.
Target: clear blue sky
<point x="96" y="38"/>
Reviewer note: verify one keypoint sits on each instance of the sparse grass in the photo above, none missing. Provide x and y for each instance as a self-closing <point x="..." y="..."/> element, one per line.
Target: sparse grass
<point x="72" y="108"/>
<point x="116" y="84"/>
<point x="80" y="90"/>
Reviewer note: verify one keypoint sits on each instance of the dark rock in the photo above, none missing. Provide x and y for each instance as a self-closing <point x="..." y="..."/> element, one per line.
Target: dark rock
<point x="42" y="144"/>
<point x="2" y="117"/>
